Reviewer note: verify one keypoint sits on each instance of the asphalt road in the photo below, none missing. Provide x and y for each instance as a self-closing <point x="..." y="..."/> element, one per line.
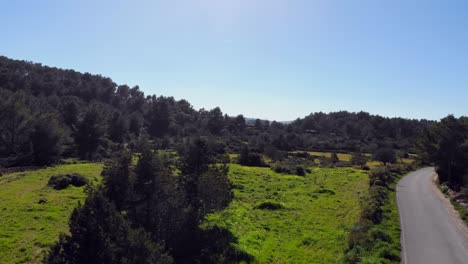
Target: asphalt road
<point x="430" y="232"/>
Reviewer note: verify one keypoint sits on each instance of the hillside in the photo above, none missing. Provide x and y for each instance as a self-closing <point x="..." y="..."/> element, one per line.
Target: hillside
<point x="76" y="104"/>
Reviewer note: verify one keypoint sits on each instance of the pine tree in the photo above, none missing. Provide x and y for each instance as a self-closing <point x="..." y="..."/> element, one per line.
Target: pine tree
<point x="116" y="174"/>
<point x="99" y="234"/>
<point x="88" y="136"/>
<point x="46" y="140"/>
<point x="117" y="128"/>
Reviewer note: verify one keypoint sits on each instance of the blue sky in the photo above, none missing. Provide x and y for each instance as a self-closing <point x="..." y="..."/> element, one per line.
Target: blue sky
<point x="274" y="59"/>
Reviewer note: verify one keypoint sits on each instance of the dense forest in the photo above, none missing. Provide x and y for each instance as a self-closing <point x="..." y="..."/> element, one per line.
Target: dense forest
<point x="48" y="113"/>
<point x="445" y="144"/>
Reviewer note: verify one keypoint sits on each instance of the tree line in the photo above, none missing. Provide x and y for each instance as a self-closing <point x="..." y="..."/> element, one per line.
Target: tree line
<point x="445" y="145"/>
<point x="48" y="113"/>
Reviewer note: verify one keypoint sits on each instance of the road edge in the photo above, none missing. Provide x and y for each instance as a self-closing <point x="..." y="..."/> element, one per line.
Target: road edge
<point x="449" y="206"/>
<point x="404" y="259"/>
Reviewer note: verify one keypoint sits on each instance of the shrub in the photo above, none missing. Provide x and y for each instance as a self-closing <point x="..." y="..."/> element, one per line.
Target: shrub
<point x="379" y="176"/>
<point x="324" y="191"/>
<point x="378" y="234"/>
<point x="291" y="166"/>
<point x="61" y="181"/>
<point x="389" y="253"/>
<point x="444" y="188"/>
<point x="372" y="210"/>
<point x="281" y="168"/>
<point x="248" y="158"/>
<point x="385" y="155"/>
<point x="270" y="205"/>
<point x="300" y="171"/>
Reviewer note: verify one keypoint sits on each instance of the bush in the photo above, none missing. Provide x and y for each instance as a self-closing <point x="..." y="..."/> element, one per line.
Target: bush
<point x="444" y="188"/>
<point x="385" y="155"/>
<point x="372" y="210"/>
<point x="292" y="165"/>
<point x="61" y="181"/>
<point x="270" y="205"/>
<point x="248" y="158"/>
<point x="324" y="191"/>
<point x="380" y="176"/>
<point x="389" y="253"/>
<point x="300" y="171"/>
<point x="378" y="234"/>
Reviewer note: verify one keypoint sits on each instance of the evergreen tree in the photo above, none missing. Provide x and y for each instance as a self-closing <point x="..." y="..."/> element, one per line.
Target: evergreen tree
<point x="446" y="145"/>
<point x="116" y="174"/>
<point x="70" y="112"/>
<point x="88" y="136"/>
<point x="117" y="128"/>
<point x="158" y="117"/>
<point x="215" y="121"/>
<point x="99" y="234"/>
<point x="46" y="140"/>
<point x="385" y="155"/>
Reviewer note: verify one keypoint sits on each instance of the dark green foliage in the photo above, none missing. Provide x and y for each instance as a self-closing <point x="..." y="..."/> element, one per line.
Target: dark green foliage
<point x="367" y="238"/>
<point x="70" y="111"/>
<point x="385" y="155"/>
<point x="359" y="159"/>
<point x="116" y="174"/>
<point x="249" y="158"/>
<point x="445" y="144"/>
<point x="215" y="121"/>
<point x="269" y="205"/>
<point x="15" y="127"/>
<point x="117" y="128"/>
<point x="300" y="171"/>
<point x="47" y="140"/>
<point x="99" y="234"/>
<point x="195" y="158"/>
<point x="275" y="154"/>
<point x="334" y="158"/>
<point x="324" y="191"/>
<point x="222" y="251"/>
<point x="377" y="234"/>
<point x="89" y="133"/>
<point x="292" y="165"/>
<point x="31" y="90"/>
<point x="157" y="117"/>
<point x="60" y="182"/>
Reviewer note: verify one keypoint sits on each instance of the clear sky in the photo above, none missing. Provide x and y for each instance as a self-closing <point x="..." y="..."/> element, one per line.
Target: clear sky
<point x="274" y="59"/>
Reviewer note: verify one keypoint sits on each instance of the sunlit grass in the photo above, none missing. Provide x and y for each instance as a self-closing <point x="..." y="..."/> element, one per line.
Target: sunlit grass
<point x="312" y="227"/>
<point x="27" y="228"/>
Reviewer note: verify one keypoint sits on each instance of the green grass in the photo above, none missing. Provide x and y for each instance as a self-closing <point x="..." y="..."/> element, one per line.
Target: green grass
<point x="341" y="156"/>
<point x="310" y="226"/>
<point x="27" y="228"/>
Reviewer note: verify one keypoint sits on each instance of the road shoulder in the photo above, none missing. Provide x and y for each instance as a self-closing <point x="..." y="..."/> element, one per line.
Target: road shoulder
<point x="449" y="206"/>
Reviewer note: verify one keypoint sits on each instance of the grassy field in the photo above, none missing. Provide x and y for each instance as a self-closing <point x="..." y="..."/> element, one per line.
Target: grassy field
<point x="312" y="227"/>
<point x="341" y="156"/>
<point x="27" y="228"/>
<point x="347" y="157"/>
